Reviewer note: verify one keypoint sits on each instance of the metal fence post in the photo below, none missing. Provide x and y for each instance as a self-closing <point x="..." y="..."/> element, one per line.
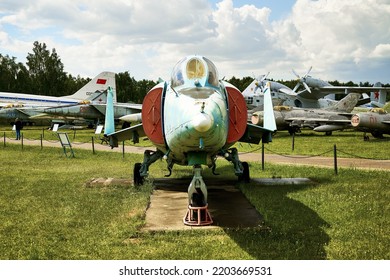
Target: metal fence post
<point x="93" y="145"/>
<point x="262" y="156"/>
<point x="335" y="159"/>
<point x="293" y="141"/>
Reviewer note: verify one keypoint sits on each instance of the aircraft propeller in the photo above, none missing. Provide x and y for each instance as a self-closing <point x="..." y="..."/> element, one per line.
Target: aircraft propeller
<point x="302" y="80"/>
<point x="260" y="82"/>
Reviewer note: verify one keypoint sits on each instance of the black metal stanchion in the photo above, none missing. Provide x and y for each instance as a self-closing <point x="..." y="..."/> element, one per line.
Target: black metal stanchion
<point x="335" y="159"/>
<point x="93" y="145"/>
<point x="123" y="149"/>
<point x="262" y="156"/>
<point x="293" y="141"/>
<point x="22" y="140"/>
<point x="41" y="141"/>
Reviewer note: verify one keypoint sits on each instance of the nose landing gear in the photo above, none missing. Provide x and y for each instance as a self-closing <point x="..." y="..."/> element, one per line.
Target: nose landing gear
<point x="197" y="212"/>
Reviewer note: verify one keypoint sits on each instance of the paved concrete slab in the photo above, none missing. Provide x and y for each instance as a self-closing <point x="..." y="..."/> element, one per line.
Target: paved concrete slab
<point x="227" y="205"/>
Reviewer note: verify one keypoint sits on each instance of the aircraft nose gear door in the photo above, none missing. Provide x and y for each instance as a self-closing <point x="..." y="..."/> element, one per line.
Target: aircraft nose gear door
<point x="197" y="213"/>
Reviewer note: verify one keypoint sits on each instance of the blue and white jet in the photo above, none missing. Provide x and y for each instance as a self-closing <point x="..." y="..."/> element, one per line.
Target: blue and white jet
<point x="191" y="120"/>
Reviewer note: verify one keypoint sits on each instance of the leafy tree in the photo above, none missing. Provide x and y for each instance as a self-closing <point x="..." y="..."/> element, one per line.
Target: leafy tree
<point x="143" y="88"/>
<point x="125" y="87"/>
<point x="46" y="71"/>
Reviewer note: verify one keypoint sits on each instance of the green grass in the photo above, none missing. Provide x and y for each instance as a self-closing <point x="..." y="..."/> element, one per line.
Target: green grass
<point x="47" y="212"/>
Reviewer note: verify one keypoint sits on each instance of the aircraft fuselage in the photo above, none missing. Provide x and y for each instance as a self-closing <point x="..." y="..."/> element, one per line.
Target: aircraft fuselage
<point x="196" y="124"/>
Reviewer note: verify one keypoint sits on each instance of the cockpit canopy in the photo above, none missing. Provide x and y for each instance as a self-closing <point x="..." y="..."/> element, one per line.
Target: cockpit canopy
<point x="194" y="72"/>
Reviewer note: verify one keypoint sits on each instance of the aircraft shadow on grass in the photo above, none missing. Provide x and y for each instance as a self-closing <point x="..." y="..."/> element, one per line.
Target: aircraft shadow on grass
<point x="291" y="230"/>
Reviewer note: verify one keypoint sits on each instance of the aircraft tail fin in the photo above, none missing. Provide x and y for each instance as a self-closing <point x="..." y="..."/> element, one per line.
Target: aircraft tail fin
<point x="347" y="104"/>
<point x="269" y="116"/>
<point x="109" y="124"/>
<point x="251" y="89"/>
<point x="94" y="89"/>
<point x="378" y="98"/>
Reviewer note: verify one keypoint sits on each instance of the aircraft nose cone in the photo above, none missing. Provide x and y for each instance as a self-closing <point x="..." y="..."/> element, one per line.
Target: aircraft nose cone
<point x="202" y="122"/>
<point x="257" y="119"/>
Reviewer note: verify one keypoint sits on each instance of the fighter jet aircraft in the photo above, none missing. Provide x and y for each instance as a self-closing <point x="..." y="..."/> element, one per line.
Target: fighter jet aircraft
<point x="93" y="112"/>
<point x="326" y="120"/>
<point x="376" y="122"/>
<point x="192" y="120"/>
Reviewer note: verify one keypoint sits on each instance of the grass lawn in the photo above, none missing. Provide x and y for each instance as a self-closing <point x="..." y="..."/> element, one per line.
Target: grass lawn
<point x="47" y="212"/>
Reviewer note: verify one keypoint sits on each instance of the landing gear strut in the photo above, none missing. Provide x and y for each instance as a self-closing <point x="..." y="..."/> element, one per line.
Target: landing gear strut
<point x="197" y="213"/>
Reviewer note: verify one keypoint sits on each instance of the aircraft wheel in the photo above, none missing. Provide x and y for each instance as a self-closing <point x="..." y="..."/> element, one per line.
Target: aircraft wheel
<point x="245" y="174"/>
<point x="328" y="133"/>
<point x="138" y="179"/>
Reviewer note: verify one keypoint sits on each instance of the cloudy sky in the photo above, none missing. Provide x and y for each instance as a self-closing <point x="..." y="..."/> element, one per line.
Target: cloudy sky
<point x="343" y="40"/>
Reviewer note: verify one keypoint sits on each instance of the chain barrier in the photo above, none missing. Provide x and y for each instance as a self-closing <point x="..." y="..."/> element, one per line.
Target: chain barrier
<point x="354" y="155"/>
<point x="289" y="156"/>
<point x="241" y="153"/>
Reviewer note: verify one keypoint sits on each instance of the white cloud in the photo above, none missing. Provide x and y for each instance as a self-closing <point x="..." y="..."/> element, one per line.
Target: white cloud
<point x="341" y="39"/>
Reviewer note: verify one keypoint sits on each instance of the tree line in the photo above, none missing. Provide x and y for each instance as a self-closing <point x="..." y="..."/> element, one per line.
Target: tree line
<point x="44" y="74"/>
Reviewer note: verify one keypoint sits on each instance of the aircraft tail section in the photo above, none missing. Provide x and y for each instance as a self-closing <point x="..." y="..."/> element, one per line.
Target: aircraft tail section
<point x="109" y="124"/>
<point x="269" y="117"/>
<point x="95" y="88"/>
<point x="347" y="104"/>
<point x="251" y="89"/>
<point x="378" y="98"/>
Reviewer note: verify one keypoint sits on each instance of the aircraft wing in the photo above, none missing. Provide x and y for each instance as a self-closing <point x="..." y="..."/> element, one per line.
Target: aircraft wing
<point x="122" y="108"/>
<point x="346" y="89"/>
<point x="386" y="122"/>
<point x="254" y="134"/>
<point x="131" y="133"/>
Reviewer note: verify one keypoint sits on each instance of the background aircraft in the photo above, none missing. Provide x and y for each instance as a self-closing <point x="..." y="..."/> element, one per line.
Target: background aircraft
<point x="91" y="92"/>
<point x="337" y="117"/>
<point x="192" y="120"/>
<point x="253" y="94"/>
<point x="315" y="88"/>
<point x="377" y="122"/>
<point x="92" y="112"/>
<point x="28" y="106"/>
<point x="283" y="96"/>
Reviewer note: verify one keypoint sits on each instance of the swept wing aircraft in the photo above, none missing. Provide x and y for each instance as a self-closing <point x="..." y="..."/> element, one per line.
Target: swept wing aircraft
<point x="192" y="120"/>
<point x="337" y="117"/>
<point x="25" y="106"/>
<point x="376" y="122"/>
<point x="94" y="111"/>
